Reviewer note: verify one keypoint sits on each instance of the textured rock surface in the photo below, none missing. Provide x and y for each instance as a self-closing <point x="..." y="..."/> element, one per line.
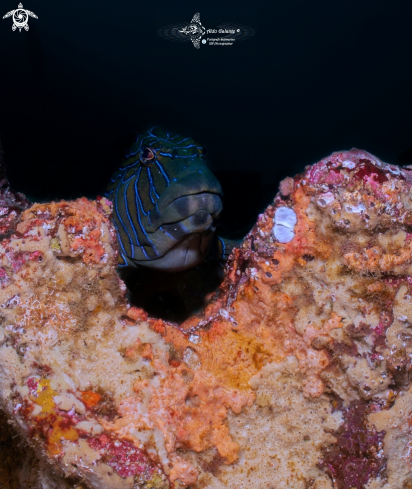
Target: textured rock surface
<point x="297" y="373"/>
<point x="13" y="453"/>
<point x="11" y="203"/>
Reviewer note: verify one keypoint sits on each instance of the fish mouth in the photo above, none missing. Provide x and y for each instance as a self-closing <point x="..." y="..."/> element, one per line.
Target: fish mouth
<point x="185" y="254"/>
<point x="183" y="221"/>
<point x="201" y="222"/>
<point x="193" y="191"/>
<point x="196" y="212"/>
<point x="185" y="232"/>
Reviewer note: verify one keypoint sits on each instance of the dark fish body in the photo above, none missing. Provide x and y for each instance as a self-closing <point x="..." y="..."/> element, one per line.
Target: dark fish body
<point x="165" y="203"/>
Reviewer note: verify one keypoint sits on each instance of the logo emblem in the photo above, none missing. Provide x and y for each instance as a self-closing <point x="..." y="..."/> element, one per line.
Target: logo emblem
<point x="194" y="31"/>
<point x="20" y="18"/>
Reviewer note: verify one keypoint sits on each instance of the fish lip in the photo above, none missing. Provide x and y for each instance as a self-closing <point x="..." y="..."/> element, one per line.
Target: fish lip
<point x="198" y="181"/>
<point x="186" y="243"/>
<point x="154" y="216"/>
<point x="192" y="183"/>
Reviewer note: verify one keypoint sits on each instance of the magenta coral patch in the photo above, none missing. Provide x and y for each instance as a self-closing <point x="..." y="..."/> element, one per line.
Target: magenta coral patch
<point x="122" y="456"/>
<point x="358" y="455"/>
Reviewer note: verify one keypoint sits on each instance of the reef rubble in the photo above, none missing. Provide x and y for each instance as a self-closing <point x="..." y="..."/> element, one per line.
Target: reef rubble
<point x="296" y="373"/>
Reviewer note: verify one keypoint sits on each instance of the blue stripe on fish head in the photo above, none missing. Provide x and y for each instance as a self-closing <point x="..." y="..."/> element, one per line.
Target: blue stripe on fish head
<point x="164" y="197"/>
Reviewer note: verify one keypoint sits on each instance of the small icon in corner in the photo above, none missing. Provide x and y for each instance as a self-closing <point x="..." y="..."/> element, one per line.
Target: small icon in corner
<point x="20" y="17"/>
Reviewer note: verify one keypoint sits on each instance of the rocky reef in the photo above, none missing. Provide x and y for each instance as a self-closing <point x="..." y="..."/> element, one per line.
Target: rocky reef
<point x="295" y="374"/>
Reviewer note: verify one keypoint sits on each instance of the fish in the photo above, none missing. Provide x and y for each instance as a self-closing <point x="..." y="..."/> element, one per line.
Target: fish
<point x="166" y="204"/>
<point x="194" y="30"/>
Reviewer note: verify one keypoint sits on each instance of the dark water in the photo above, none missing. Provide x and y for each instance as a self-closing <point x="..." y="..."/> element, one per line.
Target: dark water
<point x="317" y="77"/>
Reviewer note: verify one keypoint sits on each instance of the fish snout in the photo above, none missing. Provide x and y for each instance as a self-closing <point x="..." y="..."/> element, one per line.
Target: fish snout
<point x="193" y="213"/>
<point x="185" y="198"/>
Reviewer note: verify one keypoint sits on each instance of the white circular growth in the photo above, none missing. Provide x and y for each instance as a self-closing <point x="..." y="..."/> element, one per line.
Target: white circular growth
<point x="285" y="222"/>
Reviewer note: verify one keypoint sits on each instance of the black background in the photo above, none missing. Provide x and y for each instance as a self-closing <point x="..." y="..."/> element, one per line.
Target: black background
<point x="317" y="77"/>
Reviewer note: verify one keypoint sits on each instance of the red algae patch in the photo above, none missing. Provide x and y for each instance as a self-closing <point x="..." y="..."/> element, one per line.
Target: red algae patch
<point x="122" y="456"/>
<point x="355" y="459"/>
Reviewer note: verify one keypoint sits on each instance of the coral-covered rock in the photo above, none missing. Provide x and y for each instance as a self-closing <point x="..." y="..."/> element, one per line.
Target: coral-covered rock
<point x="296" y="374"/>
<point x="11" y="203"/>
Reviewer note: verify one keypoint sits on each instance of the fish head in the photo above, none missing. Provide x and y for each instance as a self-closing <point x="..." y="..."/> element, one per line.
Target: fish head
<point x="178" y="198"/>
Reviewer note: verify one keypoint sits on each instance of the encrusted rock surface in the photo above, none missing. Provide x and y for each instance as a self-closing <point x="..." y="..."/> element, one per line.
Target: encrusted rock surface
<point x="296" y="374"/>
<point x="11" y="203"/>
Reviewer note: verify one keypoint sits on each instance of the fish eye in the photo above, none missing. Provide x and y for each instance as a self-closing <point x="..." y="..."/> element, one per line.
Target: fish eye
<point x="147" y="156"/>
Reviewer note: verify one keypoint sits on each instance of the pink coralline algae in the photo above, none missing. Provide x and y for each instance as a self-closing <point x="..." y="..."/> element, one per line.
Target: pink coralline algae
<point x="17" y="259"/>
<point x="358" y="455"/>
<point x="122" y="456"/>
